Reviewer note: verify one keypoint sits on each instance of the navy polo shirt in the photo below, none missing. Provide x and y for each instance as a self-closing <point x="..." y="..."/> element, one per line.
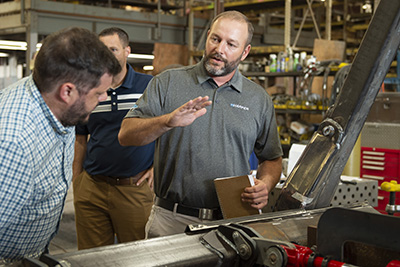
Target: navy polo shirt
<point x="104" y="154"/>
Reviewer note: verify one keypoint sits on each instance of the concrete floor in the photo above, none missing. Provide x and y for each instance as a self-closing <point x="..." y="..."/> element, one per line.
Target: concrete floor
<point x="65" y="240"/>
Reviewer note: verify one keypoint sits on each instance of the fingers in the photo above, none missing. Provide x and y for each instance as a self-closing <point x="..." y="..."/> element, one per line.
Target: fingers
<point x="151" y="185"/>
<point x="258" y="201"/>
<point x="143" y="178"/>
<point x="256" y="196"/>
<point x="198" y="103"/>
<point x="187" y="113"/>
<point x="150" y="181"/>
<point x="147" y="175"/>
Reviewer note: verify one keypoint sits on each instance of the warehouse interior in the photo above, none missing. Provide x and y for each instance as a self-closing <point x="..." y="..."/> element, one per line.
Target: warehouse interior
<point x="303" y="53"/>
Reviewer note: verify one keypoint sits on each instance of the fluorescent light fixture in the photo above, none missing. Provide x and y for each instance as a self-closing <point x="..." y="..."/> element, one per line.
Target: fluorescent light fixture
<point x="16" y="45"/>
<point x="12" y="45"/>
<point x="148" y="67"/>
<point x="4" y="55"/>
<point x="141" y="56"/>
<point x="20" y="45"/>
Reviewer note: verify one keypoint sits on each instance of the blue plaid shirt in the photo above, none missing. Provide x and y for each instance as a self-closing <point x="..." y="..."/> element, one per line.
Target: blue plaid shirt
<point x="36" y="154"/>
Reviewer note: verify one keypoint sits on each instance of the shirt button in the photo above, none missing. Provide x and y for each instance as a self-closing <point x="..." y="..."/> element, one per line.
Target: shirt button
<point x="114" y="93"/>
<point x="114" y="103"/>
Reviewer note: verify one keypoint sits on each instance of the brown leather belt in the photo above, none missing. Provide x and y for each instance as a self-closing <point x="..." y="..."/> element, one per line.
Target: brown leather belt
<point x="118" y="180"/>
<point x="201" y="213"/>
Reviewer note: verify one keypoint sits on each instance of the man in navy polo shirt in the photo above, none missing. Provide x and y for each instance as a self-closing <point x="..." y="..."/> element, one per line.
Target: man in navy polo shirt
<point x="112" y="184"/>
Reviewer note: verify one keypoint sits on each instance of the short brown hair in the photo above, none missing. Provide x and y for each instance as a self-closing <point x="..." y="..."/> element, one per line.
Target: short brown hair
<point x="123" y="36"/>
<point x="73" y="55"/>
<point x="235" y="15"/>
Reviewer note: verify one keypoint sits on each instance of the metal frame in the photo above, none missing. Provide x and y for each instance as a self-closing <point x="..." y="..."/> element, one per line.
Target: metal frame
<point x="377" y="230"/>
<point x="36" y="18"/>
<point x="316" y="175"/>
<point x="221" y="243"/>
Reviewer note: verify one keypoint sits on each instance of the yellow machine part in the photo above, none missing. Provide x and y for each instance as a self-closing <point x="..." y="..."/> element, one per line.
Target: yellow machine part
<point x="391" y="186"/>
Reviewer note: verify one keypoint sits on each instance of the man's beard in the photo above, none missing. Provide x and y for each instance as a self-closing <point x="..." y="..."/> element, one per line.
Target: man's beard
<point x="227" y="68"/>
<point x="76" y="114"/>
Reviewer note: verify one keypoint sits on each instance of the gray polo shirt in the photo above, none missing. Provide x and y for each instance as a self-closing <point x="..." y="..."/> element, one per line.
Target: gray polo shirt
<point x="187" y="159"/>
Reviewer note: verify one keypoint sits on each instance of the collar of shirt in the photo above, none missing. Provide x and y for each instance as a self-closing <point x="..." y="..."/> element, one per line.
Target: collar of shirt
<point x="129" y="79"/>
<point x="202" y="76"/>
<point x="57" y="126"/>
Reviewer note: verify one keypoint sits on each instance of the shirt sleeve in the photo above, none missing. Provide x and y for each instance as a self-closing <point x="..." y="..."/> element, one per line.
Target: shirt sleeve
<point x="151" y="103"/>
<point x="268" y="145"/>
<point x="16" y="184"/>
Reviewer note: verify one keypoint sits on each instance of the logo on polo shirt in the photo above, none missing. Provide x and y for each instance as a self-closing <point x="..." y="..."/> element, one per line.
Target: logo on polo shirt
<point x="239" y="106"/>
<point x="133" y="107"/>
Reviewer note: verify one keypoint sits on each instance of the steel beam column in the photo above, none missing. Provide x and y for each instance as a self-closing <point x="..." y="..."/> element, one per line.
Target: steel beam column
<point x="328" y="20"/>
<point x="288" y="24"/>
<point x="32" y="38"/>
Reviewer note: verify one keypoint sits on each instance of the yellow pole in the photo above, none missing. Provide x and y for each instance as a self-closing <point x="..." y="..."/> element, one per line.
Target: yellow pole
<point x="352" y="167"/>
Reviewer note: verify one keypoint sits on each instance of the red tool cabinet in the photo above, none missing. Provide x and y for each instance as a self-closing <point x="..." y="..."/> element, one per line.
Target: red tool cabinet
<point x="381" y="164"/>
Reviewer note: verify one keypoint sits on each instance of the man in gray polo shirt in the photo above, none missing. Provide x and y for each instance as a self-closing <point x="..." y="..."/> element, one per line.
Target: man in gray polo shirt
<point x="206" y="120"/>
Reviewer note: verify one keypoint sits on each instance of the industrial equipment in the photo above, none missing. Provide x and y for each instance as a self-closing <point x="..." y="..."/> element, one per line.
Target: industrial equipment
<point x="317" y="237"/>
<point x="303" y="230"/>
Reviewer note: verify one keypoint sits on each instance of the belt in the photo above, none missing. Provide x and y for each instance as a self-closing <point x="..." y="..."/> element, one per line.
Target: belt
<point x="203" y="214"/>
<point x="115" y="180"/>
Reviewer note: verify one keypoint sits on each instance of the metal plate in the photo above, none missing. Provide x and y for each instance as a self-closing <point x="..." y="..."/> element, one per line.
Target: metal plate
<point x="381" y="135"/>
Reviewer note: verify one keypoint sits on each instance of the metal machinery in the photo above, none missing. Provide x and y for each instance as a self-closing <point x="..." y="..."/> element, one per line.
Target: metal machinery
<point x="392" y="187"/>
<point x="318" y="237"/>
<point x="303" y="231"/>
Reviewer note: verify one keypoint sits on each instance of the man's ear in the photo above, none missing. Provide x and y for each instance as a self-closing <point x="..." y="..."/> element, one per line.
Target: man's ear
<point x="68" y="93"/>
<point x="246" y="51"/>
<point x="127" y="50"/>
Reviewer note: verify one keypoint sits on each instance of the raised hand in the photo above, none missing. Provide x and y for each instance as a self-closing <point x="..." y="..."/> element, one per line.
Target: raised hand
<point x="188" y="112"/>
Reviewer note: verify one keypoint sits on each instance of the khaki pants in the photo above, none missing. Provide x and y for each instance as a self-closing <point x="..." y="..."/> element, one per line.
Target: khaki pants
<point x="103" y="211"/>
<point x="163" y="222"/>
